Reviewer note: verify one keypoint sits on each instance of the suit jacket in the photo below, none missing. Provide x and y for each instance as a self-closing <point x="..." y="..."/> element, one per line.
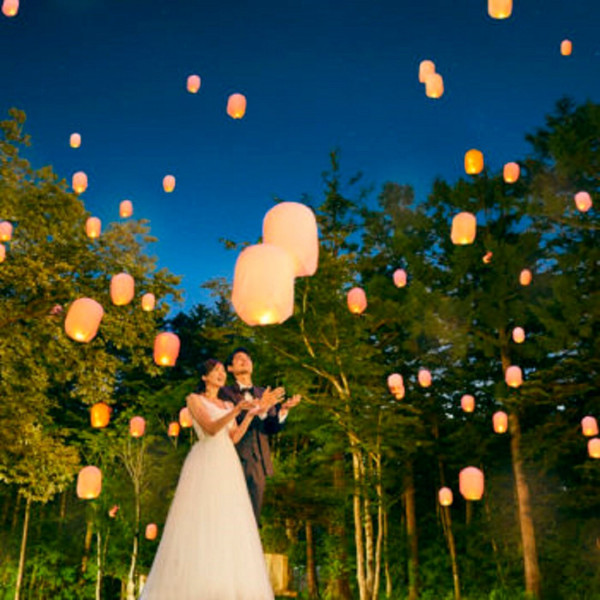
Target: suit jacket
<point x="254" y="445"/>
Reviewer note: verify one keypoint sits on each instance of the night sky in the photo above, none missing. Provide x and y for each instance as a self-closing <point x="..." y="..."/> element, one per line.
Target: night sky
<point x="317" y="75"/>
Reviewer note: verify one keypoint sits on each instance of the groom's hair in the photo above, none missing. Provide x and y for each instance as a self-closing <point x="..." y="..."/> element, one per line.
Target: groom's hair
<point x="229" y="360"/>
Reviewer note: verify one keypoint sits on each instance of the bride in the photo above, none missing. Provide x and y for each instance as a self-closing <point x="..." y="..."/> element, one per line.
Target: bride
<point x="210" y="547"/>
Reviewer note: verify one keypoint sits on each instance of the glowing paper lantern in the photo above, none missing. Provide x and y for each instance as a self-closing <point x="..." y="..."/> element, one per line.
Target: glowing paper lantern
<point x="100" y="415"/>
<point x="83" y="319"/>
<point x="151" y="531"/>
<point x="594" y="448"/>
<point x="173" y="429"/>
<point x="445" y="496"/>
<point x="467" y="403"/>
<point x="525" y="277"/>
<point x="500" y="422"/>
<point x="89" y="483"/>
<point x="185" y="417"/>
<point x="125" y="209"/>
<point x="112" y="512"/>
<point x="10" y="8"/>
<point x="471" y="483"/>
<point x="473" y="161"/>
<point x="464" y="228"/>
<point x="168" y="183"/>
<point x="2" y="252"/>
<point x="6" y="230"/>
<point x="566" y="47"/>
<point x="148" y="302"/>
<point x="583" y="201"/>
<point x="193" y="84"/>
<point x="434" y="86"/>
<point x="513" y="376"/>
<point x="396" y="385"/>
<point x="500" y="9"/>
<point x="79" y="182"/>
<point x="166" y="349"/>
<point x="426" y="68"/>
<point x="236" y="106"/>
<point x="137" y="427"/>
<point x="589" y="426"/>
<point x="518" y="335"/>
<point x="293" y="227"/>
<point x="424" y="378"/>
<point x="122" y="289"/>
<point x="511" y="172"/>
<point x="93" y="227"/>
<point x="75" y="140"/>
<point x="400" y="278"/>
<point x="487" y="257"/>
<point x="263" y="285"/>
<point x="357" y="300"/>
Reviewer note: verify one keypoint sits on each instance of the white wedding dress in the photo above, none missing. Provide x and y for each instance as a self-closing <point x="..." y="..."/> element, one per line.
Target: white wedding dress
<point x="210" y="548"/>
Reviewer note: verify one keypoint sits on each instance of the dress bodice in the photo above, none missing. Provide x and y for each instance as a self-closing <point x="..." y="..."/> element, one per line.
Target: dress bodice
<point x="215" y="412"/>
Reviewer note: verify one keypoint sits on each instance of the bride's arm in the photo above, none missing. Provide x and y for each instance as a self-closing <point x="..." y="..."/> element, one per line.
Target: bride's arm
<point x="238" y="430"/>
<point x="209" y="425"/>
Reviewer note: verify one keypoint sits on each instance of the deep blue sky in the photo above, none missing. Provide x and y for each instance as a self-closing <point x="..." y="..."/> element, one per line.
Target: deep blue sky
<point x="317" y="74"/>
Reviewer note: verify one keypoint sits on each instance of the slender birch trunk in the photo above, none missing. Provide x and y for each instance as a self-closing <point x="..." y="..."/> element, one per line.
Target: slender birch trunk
<point x="99" y="565"/>
<point x="449" y="535"/>
<point x="411" y="535"/>
<point x="358" y="524"/>
<point x="22" y="552"/>
<point x="311" y="568"/>
<point x="386" y="561"/>
<point x="87" y="543"/>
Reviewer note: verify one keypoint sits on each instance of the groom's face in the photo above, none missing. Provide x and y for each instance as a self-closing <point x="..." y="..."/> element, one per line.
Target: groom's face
<point x="241" y="364"/>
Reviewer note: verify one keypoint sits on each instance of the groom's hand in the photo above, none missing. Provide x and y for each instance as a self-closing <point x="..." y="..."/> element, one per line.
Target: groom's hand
<point x="289" y="403"/>
<point x="271" y="397"/>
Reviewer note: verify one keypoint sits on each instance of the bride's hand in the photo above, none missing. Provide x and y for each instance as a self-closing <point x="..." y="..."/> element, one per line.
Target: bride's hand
<point x="246" y="405"/>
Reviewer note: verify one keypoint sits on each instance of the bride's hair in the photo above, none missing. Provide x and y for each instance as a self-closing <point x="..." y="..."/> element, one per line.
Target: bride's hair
<point x="205" y="368"/>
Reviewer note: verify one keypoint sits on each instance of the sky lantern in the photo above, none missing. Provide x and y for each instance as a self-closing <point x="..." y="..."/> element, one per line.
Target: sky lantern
<point x="518" y="335"/>
<point x="525" y="277"/>
<point x="583" y="201"/>
<point x="589" y="426"/>
<point x="434" y="86"/>
<point x="2" y="252"/>
<point x="473" y="161"/>
<point x="166" y="349"/>
<point x="93" y="227"/>
<point x="500" y="422"/>
<point x="467" y="403"/>
<point x="83" y="319"/>
<point x="89" y="483"/>
<point x="357" y="300"/>
<point x="113" y="510"/>
<point x="148" y="302"/>
<point x="75" y="140"/>
<point x="426" y="68"/>
<point x="100" y="415"/>
<point x="471" y="483"/>
<point x="122" y="289"/>
<point x="173" y="429"/>
<point x="151" y="531"/>
<point x="168" y="183"/>
<point x="125" y="209"/>
<point x="293" y="227"/>
<point x="594" y="447"/>
<point x="137" y="426"/>
<point x="511" y="172"/>
<point x="566" y="47"/>
<point x="263" y="285"/>
<point x="487" y="258"/>
<point x="445" y="496"/>
<point x="236" y="106"/>
<point x="6" y="230"/>
<point x="10" y="8"/>
<point x="79" y="182"/>
<point x="500" y="9"/>
<point x="424" y="378"/>
<point x="399" y="278"/>
<point x="513" y="376"/>
<point x="396" y="385"/>
<point x="193" y="84"/>
<point x="464" y="228"/>
<point x="185" y="417"/>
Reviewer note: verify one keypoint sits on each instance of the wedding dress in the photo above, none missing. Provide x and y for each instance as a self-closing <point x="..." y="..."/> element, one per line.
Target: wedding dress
<point x="210" y="548"/>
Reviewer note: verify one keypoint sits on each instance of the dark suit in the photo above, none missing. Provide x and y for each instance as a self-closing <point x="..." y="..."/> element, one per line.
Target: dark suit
<point x="253" y="448"/>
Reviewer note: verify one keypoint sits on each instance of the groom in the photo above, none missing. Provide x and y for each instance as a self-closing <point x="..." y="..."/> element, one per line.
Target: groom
<point x="253" y="448"/>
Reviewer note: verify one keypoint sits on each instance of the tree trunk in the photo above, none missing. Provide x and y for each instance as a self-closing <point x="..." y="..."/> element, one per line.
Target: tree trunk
<point x="311" y="567"/>
<point x="411" y="535"/>
<point x="22" y="553"/>
<point x="380" y="517"/>
<point x="15" y="516"/>
<point x="358" y="524"/>
<point x="135" y="549"/>
<point x="87" y="543"/>
<point x="386" y="561"/>
<point x="447" y="527"/>
<point x="99" y="565"/>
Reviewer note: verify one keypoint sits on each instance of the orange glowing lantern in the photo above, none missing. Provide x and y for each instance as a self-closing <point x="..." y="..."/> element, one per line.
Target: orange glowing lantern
<point x="464" y="228"/>
<point x="525" y="277"/>
<point x="166" y="349"/>
<point x="583" y="201"/>
<point x="445" y="496"/>
<point x="263" y="285"/>
<point x="357" y="300"/>
<point x="471" y="483"/>
<point x="426" y="68"/>
<point x="518" y="335"/>
<point x="400" y="278"/>
<point x="112" y="512"/>
<point x="500" y="422"/>
<point x="467" y="403"/>
<point x="93" y="227"/>
<point x="513" y="376"/>
<point x="236" y="106"/>
<point x="473" y="161"/>
<point x="75" y="140"/>
<point x="594" y="448"/>
<point x="151" y="531"/>
<point x="511" y="172"/>
<point x="83" y="319"/>
<point x="148" y="302"/>
<point x="79" y="182"/>
<point x="293" y="227"/>
<point x="566" y="47"/>
<point x="100" y="415"/>
<point x="2" y="252"/>
<point x="396" y="385"/>
<point x="500" y="9"/>
<point x="168" y="183"/>
<point x="589" y="426"/>
<point x="424" y="378"/>
<point x="173" y="429"/>
<point x="122" y="289"/>
<point x="434" y="86"/>
<point x="185" y="417"/>
<point x="487" y="257"/>
<point x="125" y="209"/>
<point x="193" y="84"/>
<point x="137" y="427"/>
<point x="10" y="8"/>
<point x="6" y="230"/>
<point x="89" y="483"/>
